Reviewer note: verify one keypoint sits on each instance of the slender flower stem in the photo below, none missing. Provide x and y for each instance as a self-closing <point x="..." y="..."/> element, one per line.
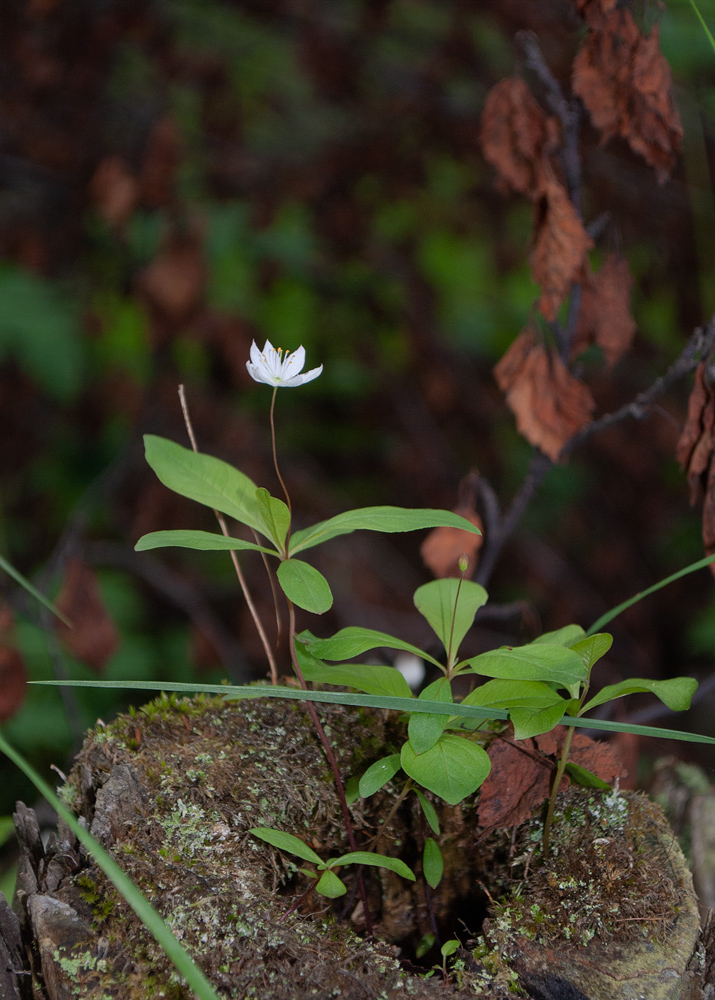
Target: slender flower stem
<point x="275" y="459"/>
<point x="234" y="556"/>
<point x="332" y="760"/>
<point x="554" y="791"/>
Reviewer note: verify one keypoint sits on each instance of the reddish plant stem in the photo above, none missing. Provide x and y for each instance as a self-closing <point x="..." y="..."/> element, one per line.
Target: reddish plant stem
<point x="332" y="760"/>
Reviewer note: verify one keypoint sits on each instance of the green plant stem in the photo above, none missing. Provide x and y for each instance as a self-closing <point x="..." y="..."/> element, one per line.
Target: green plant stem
<point x="554" y="792"/>
<point x="332" y="760"/>
<point x="234" y="556"/>
<point x="450" y="658"/>
<point x="396" y="805"/>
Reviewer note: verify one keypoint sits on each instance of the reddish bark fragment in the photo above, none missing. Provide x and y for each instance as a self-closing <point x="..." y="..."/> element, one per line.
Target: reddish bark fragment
<point x="694" y="450"/>
<point x="516" y="136"/>
<point x="559" y="249"/>
<point x="605" y="316"/>
<point x="518" y="782"/>
<point x="549" y="404"/>
<point x="444" y="547"/>
<point x="93" y="639"/>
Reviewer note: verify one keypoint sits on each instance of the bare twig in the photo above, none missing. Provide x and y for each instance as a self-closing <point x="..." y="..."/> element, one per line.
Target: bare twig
<point x="234" y="556"/>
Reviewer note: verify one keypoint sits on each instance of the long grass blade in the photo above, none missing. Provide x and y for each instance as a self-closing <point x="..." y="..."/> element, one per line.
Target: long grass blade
<point x="19" y="578"/>
<point x="138" y="902"/>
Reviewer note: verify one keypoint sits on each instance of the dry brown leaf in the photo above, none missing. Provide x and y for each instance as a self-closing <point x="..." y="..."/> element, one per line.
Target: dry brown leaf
<point x="559" y="249"/>
<point x="516" y="135"/>
<point x="175" y="280"/>
<point x="93" y="639"/>
<point x="549" y="404"/>
<point x="625" y="83"/>
<point x="694" y="450"/>
<point x="598" y="757"/>
<point x="519" y="781"/>
<point x="444" y="547"/>
<point x="709" y="516"/>
<point x="13" y="675"/>
<point x="605" y="315"/>
<point x="114" y="190"/>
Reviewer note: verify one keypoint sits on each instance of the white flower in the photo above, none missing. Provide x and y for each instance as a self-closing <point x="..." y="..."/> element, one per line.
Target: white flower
<point x="271" y="367"/>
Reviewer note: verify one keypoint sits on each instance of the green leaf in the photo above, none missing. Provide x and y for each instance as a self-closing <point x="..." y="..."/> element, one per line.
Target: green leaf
<point x="384" y="519"/>
<point x="585" y="778"/>
<point x="432" y="863"/>
<point x="449" y="948"/>
<point x="184" y="964"/>
<point x="286" y="842"/>
<point x="535" y="662"/>
<point x="353" y="641"/>
<point x="450" y="616"/>
<point x="330" y="885"/>
<point x="305" y="586"/>
<point x="614" y="612"/>
<point x="426" y="942"/>
<point x="512" y="694"/>
<point x="352" y="789"/>
<point x="676" y="693"/>
<point x="376" y="861"/>
<point x="593" y="648"/>
<point x="452" y="769"/>
<point x="276" y="516"/>
<point x="19" y="578"/>
<point x="425" y="729"/>
<point x="378" y="774"/>
<point x="369" y="677"/>
<point x="207" y="480"/>
<point x="534" y="721"/>
<point x="204" y="541"/>
<point x="429" y="810"/>
<point x="565" y="636"/>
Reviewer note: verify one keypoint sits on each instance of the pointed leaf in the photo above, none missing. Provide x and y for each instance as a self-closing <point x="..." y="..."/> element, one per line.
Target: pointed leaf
<point x="534" y="721"/>
<point x="432" y="863"/>
<point x="593" y="648"/>
<point x="452" y="769"/>
<point x="378" y="774"/>
<point x="424" y="730"/>
<point x="535" y="662"/>
<point x="450" y="616"/>
<point x="429" y="810"/>
<point x="286" y="842"/>
<point x="587" y="779"/>
<point x="275" y="514"/>
<point x="305" y="586"/>
<point x="206" y="479"/>
<point x="354" y="641"/>
<point x="512" y="694"/>
<point x="368" y="677"/>
<point x="376" y="861"/>
<point x="352" y="789"/>
<point x="384" y="519"/>
<point x="330" y="885"/>
<point x="565" y="636"/>
<point x="204" y="541"/>
<point x="676" y="693"/>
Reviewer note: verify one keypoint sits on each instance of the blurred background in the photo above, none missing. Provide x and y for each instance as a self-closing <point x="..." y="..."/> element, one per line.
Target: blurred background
<point x="180" y="177"/>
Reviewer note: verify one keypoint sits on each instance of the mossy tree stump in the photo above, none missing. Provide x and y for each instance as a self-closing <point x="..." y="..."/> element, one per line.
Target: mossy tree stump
<point x="172" y="791"/>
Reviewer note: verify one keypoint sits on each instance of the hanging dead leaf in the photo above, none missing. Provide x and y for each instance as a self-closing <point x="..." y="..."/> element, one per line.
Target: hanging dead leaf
<point x="709" y="515"/>
<point x="175" y="280"/>
<point x="549" y="404"/>
<point x="444" y="547"/>
<point x="605" y="315"/>
<point x="625" y="83"/>
<point x="516" y="135"/>
<point x="596" y="756"/>
<point x="13" y="675"/>
<point x="518" y="782"/>
<point x="114" y="190"/>
<point x="694" y="450"/>
<point x="559" y="248"/>
<point x="93" y="638"/>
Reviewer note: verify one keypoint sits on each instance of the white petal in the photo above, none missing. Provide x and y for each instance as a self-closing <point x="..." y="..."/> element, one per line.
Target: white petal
<point x="302" y="379"/>
<point x="255" y="354"/>
<point x="293" y="364"/>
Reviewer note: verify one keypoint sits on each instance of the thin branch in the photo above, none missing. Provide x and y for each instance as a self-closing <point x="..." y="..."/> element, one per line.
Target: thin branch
<point x="234" y="557"/>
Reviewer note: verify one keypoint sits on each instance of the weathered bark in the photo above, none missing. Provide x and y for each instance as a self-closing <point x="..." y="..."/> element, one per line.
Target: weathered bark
<point x="173" y="792"/>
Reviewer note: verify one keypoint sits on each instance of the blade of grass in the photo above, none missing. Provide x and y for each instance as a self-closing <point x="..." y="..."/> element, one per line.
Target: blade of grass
<point x="19" y="578"/>
<point x="614" y="612"/>
<point x="138" y="902"/>
<point x="393" y="703"/>
<point x="704" y="25"/>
